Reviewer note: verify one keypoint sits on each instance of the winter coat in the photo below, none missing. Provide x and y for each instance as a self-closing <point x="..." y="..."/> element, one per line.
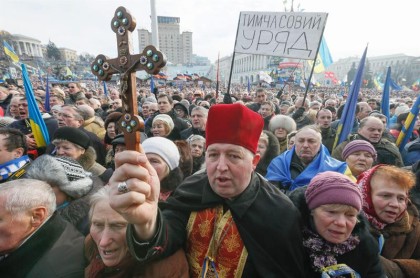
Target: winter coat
<point x="54" y="250"/>
<point x="411" y="152"/>
<point x="401" y="249"/>
<point x="388" y="152"/>
<point x="96" y="127"/>
<point x="364" y="259"/>
<point x="173" y="266"/>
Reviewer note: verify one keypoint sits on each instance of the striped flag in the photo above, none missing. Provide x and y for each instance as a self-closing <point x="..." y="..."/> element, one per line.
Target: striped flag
<point x="39" y="129"/>
<point x="323" y="59"/>
<point x="347" y="119"/>
<point x="8" y="49"/>
<point x="408" y="127"/>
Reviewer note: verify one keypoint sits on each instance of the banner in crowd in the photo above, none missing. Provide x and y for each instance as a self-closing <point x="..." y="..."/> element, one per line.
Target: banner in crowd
<point x="291" y="35"/>
<point x="385" y="97"/>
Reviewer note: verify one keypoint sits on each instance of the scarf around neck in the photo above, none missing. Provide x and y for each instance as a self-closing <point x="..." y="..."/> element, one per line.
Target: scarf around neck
<point x="7" y="169"/>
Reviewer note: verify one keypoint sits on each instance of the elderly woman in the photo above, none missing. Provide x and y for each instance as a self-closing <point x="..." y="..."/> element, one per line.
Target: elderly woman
<point x="335" y="236"/>
<point x="74" y="143"/>
<point x="281" y="126"/>
<point x="359" y="156"/>
<point x="268" y="148"/>
<point x="71" y="184"/>
<point x="164" y="156"/>
<point x="162" y="125"/>
<point x="291" y="140"/>
<point x="106" y="247"/>
<point x="197" y="145"/>
<point x="393" y="219"/>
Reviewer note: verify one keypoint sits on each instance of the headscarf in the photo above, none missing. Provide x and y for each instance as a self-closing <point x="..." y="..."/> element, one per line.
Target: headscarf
<point x="364" y="182"/>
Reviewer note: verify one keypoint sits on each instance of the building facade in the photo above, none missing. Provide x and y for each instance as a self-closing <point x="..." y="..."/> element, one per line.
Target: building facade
<point x="26" y="47"/>
<point x="177" y="46"/>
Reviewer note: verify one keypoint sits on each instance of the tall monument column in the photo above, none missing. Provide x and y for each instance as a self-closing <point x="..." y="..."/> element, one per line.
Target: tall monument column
<point x="153" y="17"/>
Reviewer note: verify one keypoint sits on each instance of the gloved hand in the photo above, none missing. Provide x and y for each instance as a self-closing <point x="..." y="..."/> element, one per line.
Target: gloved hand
<point x="298" y="113"/>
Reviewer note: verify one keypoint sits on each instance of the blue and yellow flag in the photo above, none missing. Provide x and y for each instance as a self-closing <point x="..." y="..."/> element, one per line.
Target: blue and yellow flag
<point x="323" y="59"/>
<point x="39" y="129"/>
<point x="8" y="49"/>
<point x="408" y="127"/>
<point x="347" y="117"/>
<point x="385" y="97"/>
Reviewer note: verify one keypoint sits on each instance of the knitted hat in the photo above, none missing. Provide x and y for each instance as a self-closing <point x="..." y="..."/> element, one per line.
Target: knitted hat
<point x="234" y="124"/>
<point x="63" y="172"/>
<point x="165" y="118"/>
<point x="332" y="188"/>
<point x="73" y="135"/>
<point x="356" y="146"/>
<point x="163" y="147"/>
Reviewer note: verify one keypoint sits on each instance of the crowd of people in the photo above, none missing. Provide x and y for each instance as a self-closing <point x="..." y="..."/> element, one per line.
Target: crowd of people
<point x="247" y="184"/>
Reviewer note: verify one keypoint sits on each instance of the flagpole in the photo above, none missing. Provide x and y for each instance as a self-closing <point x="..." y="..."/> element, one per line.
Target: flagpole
<point x="217" y="75"/>
<point x="233" y="57"/>
<point x="313" y="66"/>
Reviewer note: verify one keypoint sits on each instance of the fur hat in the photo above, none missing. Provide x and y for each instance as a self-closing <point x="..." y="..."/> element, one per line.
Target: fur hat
<point x="63" y="172"/>
<point x="73" y="135"/>
<point x="332" y="188"/>
<point x="165" y="118"/>
<point x="234" y="124"/>
<point x="163" y="147"/>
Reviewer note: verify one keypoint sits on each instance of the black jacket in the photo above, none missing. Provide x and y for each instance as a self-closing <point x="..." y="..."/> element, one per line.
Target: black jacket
<point x="54" y="250"/>
<point x="364" y="259"/>
<point x="267" y="221"/>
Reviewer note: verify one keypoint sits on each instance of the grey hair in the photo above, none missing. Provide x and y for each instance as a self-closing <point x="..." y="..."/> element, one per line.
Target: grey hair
<point x="311" y="127"/>
<point x="24" y="194"/>
<point x="100" y="195"/>
<point x="282" y="121"/>
<point x="195" y="137"/>
<point x="86" y="111"/>
<point x="202" y="109"/>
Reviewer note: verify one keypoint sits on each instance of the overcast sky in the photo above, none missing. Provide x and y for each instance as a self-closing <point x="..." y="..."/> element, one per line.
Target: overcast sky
<point x="390" y="27"/>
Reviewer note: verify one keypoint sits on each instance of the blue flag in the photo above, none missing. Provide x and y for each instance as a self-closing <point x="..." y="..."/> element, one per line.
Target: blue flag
<point x="347" y="119"/>
<point x="249" y="86"/>
<point x="39" y="129"/>
<point x="385" y="97"/>
<point x="408" y="127"/>
<point x="152" y="85"/>
<point x="105" y="89"/>
<point x="47" y="97"/>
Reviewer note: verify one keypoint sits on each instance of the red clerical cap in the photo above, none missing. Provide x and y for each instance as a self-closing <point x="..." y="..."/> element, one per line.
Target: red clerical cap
<point x="234" y="124"/>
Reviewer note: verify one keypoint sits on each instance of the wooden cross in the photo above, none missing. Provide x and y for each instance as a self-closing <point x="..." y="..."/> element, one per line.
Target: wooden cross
<point x="126" y="64"/>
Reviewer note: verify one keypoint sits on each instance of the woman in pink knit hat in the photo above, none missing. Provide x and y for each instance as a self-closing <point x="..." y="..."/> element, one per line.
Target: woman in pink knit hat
<point x="335" y="236"/>
<point x="359" y="156"/>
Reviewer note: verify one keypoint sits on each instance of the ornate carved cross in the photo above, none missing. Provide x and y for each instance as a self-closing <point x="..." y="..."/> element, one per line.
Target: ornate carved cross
<point x="126" y="64"/>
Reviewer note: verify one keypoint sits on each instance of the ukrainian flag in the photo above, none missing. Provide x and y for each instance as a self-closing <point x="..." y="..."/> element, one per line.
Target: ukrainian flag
<point x="323" y="59"/>
<point x="408" y="127"/>
<point x="39" y="129"/>
<point x="8" y="49"/>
